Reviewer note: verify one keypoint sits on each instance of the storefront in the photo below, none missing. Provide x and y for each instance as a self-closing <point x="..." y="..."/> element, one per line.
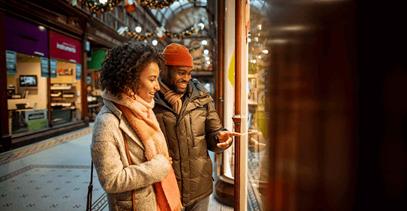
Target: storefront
<point x="27" y="73"/>
<point x="42" y="74"/>
<point x="65" y="83"/>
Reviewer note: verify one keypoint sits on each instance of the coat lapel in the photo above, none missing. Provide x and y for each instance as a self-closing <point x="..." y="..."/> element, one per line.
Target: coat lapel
<point x="130" y="132"/>
<point x="123" y="124"/>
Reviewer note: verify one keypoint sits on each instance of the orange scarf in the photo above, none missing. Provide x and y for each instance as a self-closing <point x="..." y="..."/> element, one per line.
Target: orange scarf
<point x="141" y="118"/>
<point x="171" y="97"/>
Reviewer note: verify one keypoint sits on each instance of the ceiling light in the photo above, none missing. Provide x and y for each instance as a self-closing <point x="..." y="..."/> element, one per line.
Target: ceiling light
<point x="206" y="51"/>
<point x="154" y="42"/>
<point x="201" y="25"/>
<point x="259" y="27"/>
<point x="208" y="62"/>
<point x="265" y="51"/>
<point x="102" y="1"/>
<point x="206" y="58"/>
<point x="41" y="28"/>
<point x="204" y="42"/>
<point x="138" y="29"/>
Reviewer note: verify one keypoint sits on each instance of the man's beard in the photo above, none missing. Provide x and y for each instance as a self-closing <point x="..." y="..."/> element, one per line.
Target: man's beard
<point x="175" y="88"/>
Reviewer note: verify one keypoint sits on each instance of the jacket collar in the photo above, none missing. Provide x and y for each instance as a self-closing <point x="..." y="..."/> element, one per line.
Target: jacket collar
<point x="123" y="125"/>
<point x="194" y="90"/>
<point x="196" y="96"/>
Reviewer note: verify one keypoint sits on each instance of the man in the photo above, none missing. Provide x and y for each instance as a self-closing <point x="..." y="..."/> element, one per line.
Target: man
<point x="188" y="119"/>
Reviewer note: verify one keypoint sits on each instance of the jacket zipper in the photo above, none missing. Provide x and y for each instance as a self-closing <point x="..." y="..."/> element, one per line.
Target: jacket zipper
<point x="191" y="131"/>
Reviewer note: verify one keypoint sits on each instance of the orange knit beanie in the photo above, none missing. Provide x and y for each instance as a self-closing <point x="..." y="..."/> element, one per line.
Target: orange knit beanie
<point x="177" y="55"/>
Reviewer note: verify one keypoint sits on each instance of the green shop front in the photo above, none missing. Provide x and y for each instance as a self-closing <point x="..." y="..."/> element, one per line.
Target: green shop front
<point x="93" y="87"/>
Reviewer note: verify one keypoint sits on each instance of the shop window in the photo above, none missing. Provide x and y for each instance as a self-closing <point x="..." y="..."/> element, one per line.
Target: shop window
<point x="258" y="143"/>
<point x="65" y="93"/>
<point x="27" y="105"/>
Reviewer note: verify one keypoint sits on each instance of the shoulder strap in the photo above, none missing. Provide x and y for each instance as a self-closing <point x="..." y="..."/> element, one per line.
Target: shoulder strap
<point x="90" y="189"/>
<point x="90" y="186"/>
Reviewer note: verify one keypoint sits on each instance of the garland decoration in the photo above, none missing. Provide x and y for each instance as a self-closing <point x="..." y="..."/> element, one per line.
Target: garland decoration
<point x="154" y="4"/>
<point x="96" y="7"/>
<point x="161" y="33"/>
<point x="138" y="36"/>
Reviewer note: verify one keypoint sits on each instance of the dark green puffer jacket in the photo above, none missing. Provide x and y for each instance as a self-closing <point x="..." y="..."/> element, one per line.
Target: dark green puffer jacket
<point x="189" y="137"/>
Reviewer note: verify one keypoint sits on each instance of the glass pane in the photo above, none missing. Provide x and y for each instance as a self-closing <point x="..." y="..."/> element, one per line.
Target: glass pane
<point x="26" y="83"/>
<point x="257" y="123"/>
<point x="65" y="100"/>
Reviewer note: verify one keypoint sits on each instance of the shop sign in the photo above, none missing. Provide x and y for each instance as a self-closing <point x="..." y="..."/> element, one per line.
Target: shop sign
<point x="25" y="37"/>
<point x="64" y="47"/>
<point x="44" y="67"/>
<point x="78" y="71"/>
<point x="11" y="60"/>
<point x="53" y="68"/>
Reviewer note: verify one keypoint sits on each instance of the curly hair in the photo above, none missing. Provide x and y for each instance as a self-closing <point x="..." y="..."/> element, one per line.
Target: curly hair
<point x="123" y="65"/>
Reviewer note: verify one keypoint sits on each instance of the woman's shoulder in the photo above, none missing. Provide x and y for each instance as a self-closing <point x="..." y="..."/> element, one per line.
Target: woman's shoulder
<point x="106" y="118"/>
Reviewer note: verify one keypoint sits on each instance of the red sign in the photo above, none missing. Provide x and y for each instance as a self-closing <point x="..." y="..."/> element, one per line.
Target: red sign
<point x="64" y="47"/>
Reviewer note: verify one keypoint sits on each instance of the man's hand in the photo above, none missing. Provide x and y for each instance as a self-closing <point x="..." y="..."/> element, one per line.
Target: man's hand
<point x="225" y="138"/>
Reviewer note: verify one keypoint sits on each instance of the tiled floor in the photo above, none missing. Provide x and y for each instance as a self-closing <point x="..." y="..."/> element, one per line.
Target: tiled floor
<point x="53" y="175"/>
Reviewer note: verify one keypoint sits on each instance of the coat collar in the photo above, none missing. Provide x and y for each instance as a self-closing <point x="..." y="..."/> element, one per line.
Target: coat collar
<point x="123" y="125"/>
<point x="195" y="91"/>
<point x="196" y="96"/>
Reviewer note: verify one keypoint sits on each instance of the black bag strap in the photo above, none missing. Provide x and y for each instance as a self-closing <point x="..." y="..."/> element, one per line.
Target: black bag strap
<point x="90" y="189"/>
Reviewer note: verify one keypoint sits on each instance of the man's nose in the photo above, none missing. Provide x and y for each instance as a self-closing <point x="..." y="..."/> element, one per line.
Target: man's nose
<point x="186" y="77"/>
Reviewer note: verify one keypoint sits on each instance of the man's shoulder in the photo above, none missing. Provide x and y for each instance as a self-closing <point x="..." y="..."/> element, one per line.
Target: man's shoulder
<point x="199" y="86"/>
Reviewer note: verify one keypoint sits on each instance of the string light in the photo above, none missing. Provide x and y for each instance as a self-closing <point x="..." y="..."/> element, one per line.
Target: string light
<point x="96" y="6"/>
<point x="161" y="33"/>
<point x="101" y="6"/>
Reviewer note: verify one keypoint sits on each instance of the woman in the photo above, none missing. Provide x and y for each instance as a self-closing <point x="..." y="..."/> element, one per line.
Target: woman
<point x="128" y="148"/>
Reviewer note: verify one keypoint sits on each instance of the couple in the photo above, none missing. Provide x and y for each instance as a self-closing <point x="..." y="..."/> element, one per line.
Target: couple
<point x="155" y="160"/>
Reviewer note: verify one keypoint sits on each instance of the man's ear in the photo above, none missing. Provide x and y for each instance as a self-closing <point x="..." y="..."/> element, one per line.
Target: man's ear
<point x="164" y="75"/>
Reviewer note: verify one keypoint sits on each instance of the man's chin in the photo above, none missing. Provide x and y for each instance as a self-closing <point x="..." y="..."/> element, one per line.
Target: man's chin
<point x="180" y="91"/>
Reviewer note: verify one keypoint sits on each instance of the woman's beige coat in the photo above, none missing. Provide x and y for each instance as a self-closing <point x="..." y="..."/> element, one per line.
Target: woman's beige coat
<point x="117" y="178"/>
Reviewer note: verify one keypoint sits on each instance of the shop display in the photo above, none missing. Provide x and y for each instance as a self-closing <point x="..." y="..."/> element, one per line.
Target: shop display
<point x="28" y="81"/>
